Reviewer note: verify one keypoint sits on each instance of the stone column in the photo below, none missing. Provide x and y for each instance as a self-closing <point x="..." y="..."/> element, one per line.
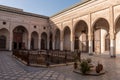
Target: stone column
<point x="10" y="41"/>
<point x="112" y="48"/>
<point x="39" y="43"/>
<point x="90" y="36"/>
<point x="72" y="41"/>
<point x="72" y="46"/>
<point x="61" y="45"/>
<point x="29" y="41"/>
<point x="111" y="32"/>
<point x="48" y="42"/>
<point x="90" y="47"/>
<point x="90" y="44"/>
<point x="53" y="44"/>
<point x="61" y="41"/>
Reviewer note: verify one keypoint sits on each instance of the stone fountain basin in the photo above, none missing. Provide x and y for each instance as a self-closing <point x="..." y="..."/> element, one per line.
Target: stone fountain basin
<point x="90" y="73"/>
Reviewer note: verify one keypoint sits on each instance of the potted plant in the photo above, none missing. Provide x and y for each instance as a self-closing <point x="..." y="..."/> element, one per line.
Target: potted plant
<point x="99" y="68"/>
<point x="75" y="65"/>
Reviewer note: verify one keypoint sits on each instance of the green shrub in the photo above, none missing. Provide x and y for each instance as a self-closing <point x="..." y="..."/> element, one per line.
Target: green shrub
<point x="84" y="66"/>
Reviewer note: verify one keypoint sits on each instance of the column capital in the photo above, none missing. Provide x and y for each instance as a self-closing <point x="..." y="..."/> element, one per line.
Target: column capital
<point x="112" y="36"/>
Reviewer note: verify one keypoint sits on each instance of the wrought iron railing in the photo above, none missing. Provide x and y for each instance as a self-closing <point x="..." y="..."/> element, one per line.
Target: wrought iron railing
<point x="46" y="58"/>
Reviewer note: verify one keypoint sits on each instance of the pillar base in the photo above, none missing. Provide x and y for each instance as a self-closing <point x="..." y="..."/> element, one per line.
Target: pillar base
<point x="90" y="54"/>
<point x="112" y="52"/>
<point x="90" y="50"/>
<point x="10" y="50"/>
<point x="113" y="56"/>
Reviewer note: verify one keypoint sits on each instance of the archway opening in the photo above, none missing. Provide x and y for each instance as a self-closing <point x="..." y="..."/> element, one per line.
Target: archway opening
<point x="34" y="40"/>
<point x="20" y="39"/>
<point x="81" y="38"/>
<point x="57" y="39"/>
<point x="2" y="42"/>
<point x="43" y="41"/>
<point x="50" y="43"/>
<point x="67" y="42"/>
<point x="101" y="39"/>
<point x="117" y="36"/>
<point x="4" y="39"/>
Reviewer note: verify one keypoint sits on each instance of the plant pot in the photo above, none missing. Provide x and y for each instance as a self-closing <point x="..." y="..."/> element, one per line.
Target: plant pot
<point x="99" y="68"/>
<point x="75" y="65"/>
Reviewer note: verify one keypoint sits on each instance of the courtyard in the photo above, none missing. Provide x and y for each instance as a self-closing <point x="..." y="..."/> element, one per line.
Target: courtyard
<point x="12" y="69"/>
<point x="90" y="26"/>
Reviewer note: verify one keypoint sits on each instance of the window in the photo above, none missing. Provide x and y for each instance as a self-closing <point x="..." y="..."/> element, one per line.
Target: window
<point x="35" y="26"/>
<point x="4" y="23"/>
<point x="44" y="27"/>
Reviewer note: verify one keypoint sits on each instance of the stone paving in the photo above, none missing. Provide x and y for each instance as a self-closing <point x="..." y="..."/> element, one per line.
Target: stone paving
<point x="11" y="69"/>
<point x="111" y="65"/>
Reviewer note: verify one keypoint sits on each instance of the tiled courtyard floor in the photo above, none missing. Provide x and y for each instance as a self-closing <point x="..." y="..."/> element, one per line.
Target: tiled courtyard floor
<point x="11" y="69"/>
<point x="111" y="65"/>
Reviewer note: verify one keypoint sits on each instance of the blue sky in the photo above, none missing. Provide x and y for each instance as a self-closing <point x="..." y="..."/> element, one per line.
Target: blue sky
<point x="43" y="7"/>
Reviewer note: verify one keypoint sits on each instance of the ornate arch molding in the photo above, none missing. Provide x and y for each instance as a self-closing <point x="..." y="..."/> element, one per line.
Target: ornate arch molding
<point x="75" y="25"/>
<point x="56" y="29"/>
<point x="5" y="29"/>
<point x="26" y="26"/>
<point x="66" y="27"/>
<point x="34" y="32"/>
<point x="96" y="20"/>
<point x="115" y="24"/>
<point x="27" y="30"/>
